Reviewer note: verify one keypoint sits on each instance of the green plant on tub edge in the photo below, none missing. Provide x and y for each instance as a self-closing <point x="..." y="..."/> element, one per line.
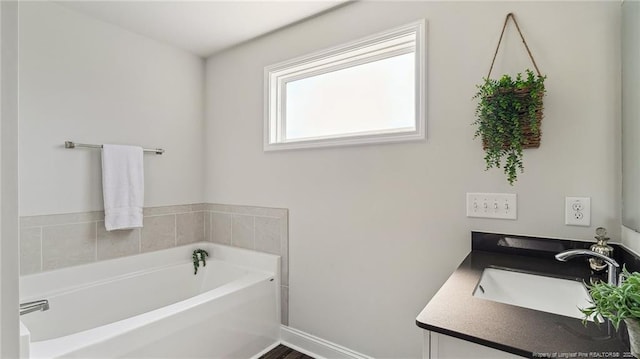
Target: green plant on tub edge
<point x="618" y="303"/>
<point x="198" y="256"/>
<point x="499" y="117"/>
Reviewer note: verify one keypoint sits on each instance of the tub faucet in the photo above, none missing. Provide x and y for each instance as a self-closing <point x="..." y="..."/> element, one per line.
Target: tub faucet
<point x="612" y="265"/>
<point x="38" y="305"/>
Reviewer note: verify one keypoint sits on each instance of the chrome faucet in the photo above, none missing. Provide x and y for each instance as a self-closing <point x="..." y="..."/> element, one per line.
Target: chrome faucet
<point x="612" y="265"/>
<point x="38" y="305"/>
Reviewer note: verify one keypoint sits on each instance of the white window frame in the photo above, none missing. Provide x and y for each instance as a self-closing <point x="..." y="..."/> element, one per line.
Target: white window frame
<point x="354" y="53"/>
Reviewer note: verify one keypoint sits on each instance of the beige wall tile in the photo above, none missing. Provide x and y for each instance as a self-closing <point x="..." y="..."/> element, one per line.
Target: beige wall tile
<point x="221" y="228"/>
<point x="248" y="210"/>
<point x="284" y="270"/>
<point x="190" y="227"/>
<point x="216" y="207"/>
<point x="284" y="249"/>
<point x="159" y="232"/>
<point x="259" y="211"/>
<point x="267" y="234"/>
<point x="119" y="243"/>
<point x="30" y="250"/>
<point x="284" y="305"/>
<point x="242" y="231"/>
<point x="197" y="207"/>
<point x="68" y="245"/>
<point x="57" y="219"/>
<point x="158" y="211"/>
<point x="71" y="239"/>
<point x="207" y="226"/>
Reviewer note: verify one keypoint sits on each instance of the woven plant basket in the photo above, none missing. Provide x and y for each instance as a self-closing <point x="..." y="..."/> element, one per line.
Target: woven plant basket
<point x="530" y="137"/>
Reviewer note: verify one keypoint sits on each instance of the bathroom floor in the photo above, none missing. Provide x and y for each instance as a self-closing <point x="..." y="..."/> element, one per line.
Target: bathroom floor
<point x="283" y="352"/>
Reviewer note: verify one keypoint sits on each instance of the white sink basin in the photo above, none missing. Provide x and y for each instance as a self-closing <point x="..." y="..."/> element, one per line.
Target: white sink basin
<point x="547" y="294"/>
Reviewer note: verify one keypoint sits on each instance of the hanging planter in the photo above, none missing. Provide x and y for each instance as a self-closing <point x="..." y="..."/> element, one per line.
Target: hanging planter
<point x="509" y="114"/>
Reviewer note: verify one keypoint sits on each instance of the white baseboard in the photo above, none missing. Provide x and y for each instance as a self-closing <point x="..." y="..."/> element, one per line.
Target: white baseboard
<point x="266" y="350"/>
<point x="316" y="347"/>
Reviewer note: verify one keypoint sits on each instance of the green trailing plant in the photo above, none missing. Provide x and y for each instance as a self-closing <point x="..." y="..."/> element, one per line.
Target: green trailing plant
<point x="199" y="255"/>
<point x="615" y="303"/>
<point x="508" y="119"/>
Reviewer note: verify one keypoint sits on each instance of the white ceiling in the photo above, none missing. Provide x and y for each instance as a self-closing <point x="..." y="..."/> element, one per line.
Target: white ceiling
<point x="201" y="27"/>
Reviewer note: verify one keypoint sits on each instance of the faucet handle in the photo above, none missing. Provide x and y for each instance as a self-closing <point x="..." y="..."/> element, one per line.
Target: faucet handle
<point x="621" y="278"/>
<point x="612" y="272"/>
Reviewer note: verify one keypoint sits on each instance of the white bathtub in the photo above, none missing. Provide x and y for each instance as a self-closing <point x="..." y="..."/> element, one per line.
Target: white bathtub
<point x="152" y="305"/>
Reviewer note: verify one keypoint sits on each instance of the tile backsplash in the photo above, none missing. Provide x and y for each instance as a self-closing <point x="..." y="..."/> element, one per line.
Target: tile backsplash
<point x="61" y="240"/>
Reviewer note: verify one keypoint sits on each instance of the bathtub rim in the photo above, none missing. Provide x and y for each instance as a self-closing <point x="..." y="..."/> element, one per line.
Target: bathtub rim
<point x="71" y="278"/>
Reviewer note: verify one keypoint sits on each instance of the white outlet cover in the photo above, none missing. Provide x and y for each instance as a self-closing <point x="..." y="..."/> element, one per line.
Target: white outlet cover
<point x="577" y="211"/>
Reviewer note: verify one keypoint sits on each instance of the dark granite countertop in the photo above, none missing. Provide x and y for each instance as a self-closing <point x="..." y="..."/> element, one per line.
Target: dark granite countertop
<point x="454" y="311"/>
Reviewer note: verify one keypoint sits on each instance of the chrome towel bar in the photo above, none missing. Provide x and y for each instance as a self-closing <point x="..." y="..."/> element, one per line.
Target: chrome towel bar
<point x="71" y="144"/>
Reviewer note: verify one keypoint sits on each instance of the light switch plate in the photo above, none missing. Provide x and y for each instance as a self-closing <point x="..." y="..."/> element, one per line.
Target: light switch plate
<point x="577" y="211"/>
<point x="492" y="205"/>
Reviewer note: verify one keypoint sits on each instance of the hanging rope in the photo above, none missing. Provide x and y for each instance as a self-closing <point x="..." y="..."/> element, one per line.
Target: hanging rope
<point x="506" y="20"/>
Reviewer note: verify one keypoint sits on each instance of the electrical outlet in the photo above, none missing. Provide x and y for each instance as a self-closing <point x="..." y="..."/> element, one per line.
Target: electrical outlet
<point x="577" y="211"/>
<point x="492" y="205"/>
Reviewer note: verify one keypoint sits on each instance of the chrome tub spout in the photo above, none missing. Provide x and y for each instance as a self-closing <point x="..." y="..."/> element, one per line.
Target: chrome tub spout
<point x="35" y="306"/>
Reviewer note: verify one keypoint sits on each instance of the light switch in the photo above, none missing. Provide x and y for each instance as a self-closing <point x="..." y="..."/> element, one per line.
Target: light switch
<point x="492" y="205"/>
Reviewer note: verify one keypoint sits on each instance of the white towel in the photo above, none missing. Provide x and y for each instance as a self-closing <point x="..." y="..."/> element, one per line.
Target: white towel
<point x="122" y="186"/>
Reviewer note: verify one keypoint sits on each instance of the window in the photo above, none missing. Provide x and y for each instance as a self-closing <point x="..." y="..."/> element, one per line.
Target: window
<point x="371" y="90"/>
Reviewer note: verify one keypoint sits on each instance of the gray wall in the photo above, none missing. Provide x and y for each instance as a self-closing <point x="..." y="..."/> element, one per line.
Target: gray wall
<point x="375" y="230"/>
<point x="92" y="82"/>
<point x="9" y="12"/>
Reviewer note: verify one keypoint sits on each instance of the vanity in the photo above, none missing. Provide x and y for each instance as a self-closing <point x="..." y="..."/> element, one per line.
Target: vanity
<point x="511" y="298"/>
<point x="482" y="311"/>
